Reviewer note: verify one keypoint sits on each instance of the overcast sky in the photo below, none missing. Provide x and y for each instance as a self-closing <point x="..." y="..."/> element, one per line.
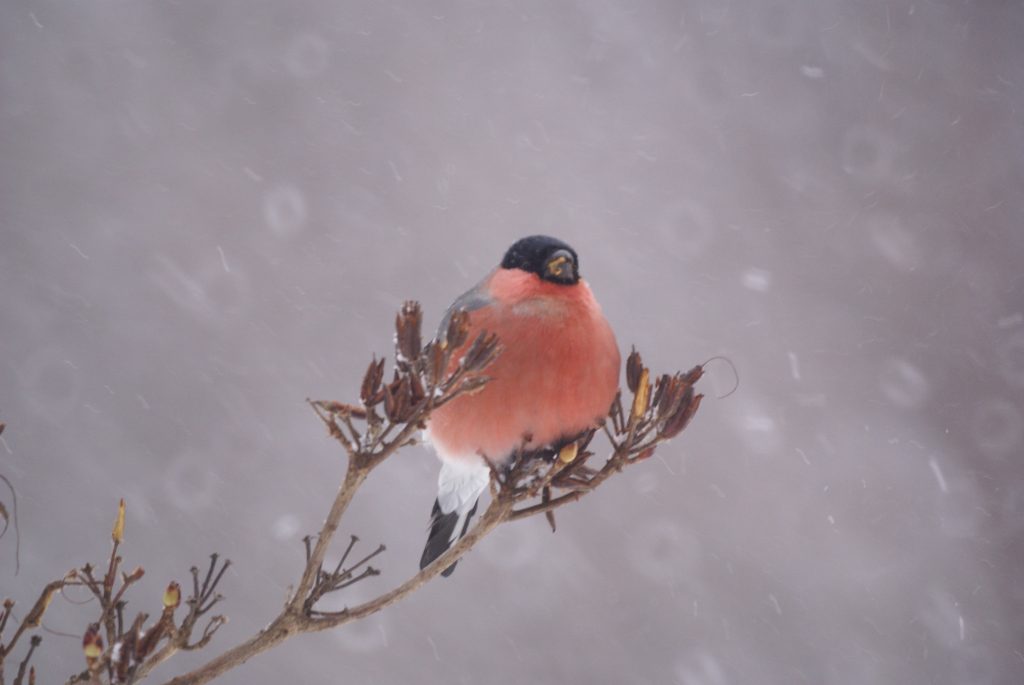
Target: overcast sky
<point x="211" y="211"/>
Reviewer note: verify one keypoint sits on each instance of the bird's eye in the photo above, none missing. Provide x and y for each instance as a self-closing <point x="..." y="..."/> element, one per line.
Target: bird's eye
<point x="560" y="266"/>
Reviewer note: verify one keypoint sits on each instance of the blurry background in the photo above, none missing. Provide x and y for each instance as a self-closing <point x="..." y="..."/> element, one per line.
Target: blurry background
<point x="210" y="211"/>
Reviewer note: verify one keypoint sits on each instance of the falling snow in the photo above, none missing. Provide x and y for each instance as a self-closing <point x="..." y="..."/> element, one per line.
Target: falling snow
<point x="209" y="215"/>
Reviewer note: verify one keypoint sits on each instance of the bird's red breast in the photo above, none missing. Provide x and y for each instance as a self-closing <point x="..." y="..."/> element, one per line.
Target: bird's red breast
<point x="557" y="374"/>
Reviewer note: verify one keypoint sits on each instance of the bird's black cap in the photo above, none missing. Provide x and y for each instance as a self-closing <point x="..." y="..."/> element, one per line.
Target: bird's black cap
<point x="549" y="258"/>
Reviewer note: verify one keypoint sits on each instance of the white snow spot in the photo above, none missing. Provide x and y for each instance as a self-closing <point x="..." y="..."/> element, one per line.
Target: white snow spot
<point x="997" y="427"/>
<point x="284" y="209"/>
<point x="937" y="472"/>
<point x="79" y="251"/>
<point x="701" y="669"/>
<point x="433" y="646"/>
<point x="285" y="527"/>
<point x="758" y="280"/>
<point x="363" y="636"/>
<point x="1010" y="321"/>
<point x="307" y="56"/>
<point x="687" y="229"/>
<point x="794" y="365"/>
<point x="223" y="259"/>
<point x="664" y="551"/>
<point x="903" y="384"/>
<point x="812" y="72"/>
<point x="894" y="241"/>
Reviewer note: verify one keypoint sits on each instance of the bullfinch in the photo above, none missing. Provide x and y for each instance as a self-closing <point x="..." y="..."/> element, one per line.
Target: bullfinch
<point x="555" y="378"/>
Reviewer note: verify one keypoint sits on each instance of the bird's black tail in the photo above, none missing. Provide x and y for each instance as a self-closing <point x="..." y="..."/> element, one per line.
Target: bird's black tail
<point x="445" y="529"/>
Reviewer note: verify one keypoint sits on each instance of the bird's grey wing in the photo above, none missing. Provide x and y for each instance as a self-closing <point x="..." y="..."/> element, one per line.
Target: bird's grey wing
<point x="474" y="298"/>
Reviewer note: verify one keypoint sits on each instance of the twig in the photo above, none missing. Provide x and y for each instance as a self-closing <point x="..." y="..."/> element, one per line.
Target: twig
<point x="426" y="377"/>
<point x="23" y="666"/>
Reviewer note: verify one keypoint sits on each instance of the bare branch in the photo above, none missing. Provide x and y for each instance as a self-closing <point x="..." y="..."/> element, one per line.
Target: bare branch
<point x="23" y="666"/>
<point x="386" y="419"/>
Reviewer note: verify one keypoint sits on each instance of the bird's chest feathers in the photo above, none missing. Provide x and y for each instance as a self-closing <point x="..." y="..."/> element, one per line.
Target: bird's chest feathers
<point x="548" y="309"/>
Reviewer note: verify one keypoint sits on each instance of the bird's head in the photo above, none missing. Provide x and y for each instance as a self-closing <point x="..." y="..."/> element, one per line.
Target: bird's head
<point x="549" y="258"/>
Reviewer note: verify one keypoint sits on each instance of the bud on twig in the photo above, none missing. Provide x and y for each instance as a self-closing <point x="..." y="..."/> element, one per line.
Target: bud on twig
<point x="371" y="382"/>
<point x="458" y="329"/>
<point x="481" y="353"/>
<point x="408" y="339"/>
<point x="172" y="596"/>
<point x="567" y="454"/>
<point x="92" y="645"/>
<point x="634" y="366"/>
<point x="118" y="533"/>
<point x="641" y="400"/>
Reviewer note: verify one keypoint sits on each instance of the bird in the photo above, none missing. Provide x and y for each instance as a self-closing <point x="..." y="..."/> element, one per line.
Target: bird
<point x="556" y="377"/>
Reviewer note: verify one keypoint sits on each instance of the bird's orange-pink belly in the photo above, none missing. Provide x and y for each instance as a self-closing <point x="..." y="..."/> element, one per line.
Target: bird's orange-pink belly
<point x="543" y="387"/>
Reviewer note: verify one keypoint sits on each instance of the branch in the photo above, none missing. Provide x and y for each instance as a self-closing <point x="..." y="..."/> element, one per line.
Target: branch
<point x="20" y="677"/>
<point x="386" y="419"/>
<point x="658" y="413"/>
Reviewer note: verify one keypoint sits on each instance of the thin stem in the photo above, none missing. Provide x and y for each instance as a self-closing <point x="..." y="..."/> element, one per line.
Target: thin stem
<point x="354" y="477"/>
<point x="288" y="624"/>
<point x="348" y="550"/>
<point x="23" y="666"/>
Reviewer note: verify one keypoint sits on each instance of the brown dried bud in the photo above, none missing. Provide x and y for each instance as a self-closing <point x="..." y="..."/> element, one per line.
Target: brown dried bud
<point x="117" y="534"/>
<point x="438" y="362"/>
<point x="634" y="366"/>
<point x="668" y="394"/>
<point x="403" y="398"/>
<point x="645" y="454"/>
<point x="417" y="393"/>
<point x="371" y="381"/>
<point x="408" y="339"/>
<point x="172" y="596"/>
<point x="458" y="329"/>
<point x="473" y="384"/>
<point x="481" y="353"/>
<point x="694" y="375"/>
<point x="92" y="644"/>
<point x="660" y="387"/>
<point x="675" y="423"/>
<point x="391" y="402"/>
<point x="341" y="409"/>
<point x="135" y="575"/>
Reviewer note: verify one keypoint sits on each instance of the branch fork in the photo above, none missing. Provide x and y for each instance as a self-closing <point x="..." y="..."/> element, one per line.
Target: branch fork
<point x="385" y="419"/>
